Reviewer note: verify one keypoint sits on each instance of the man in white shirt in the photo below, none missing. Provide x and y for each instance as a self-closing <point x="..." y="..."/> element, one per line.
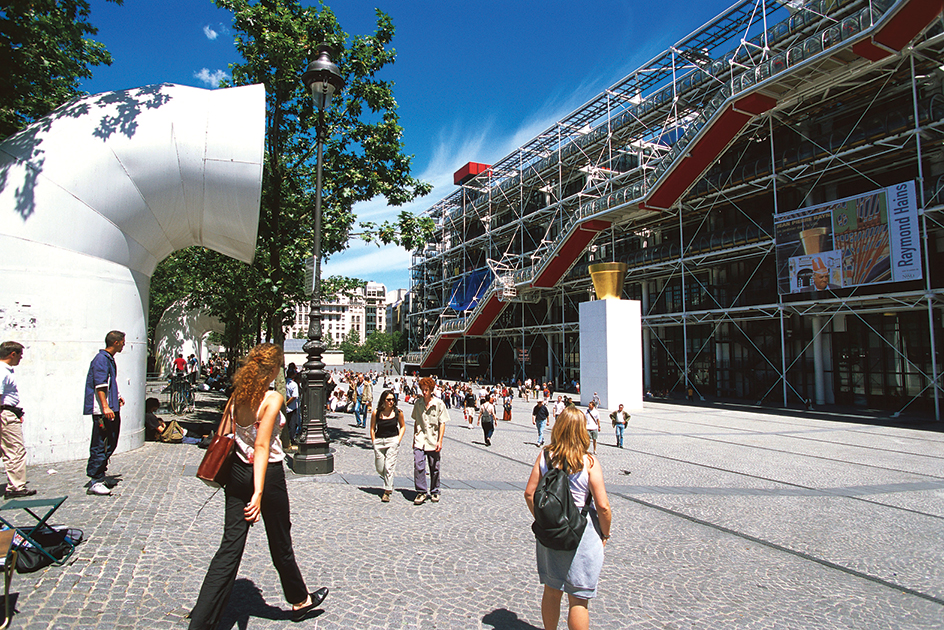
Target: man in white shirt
<point x="558" y="408"/>
<point x="11" y="423"/>
<point x="593" y="424"/>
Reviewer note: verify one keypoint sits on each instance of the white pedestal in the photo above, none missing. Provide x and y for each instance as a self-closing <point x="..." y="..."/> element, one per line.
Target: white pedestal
<point x="611" y="353"/>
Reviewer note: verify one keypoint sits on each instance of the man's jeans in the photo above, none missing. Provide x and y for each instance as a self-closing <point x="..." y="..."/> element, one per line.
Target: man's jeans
<point x="360" y="414"/>
<point x="619" y="435"/>
<point x="103" y="444"/>
<point x="541" y="424"/>
<point x="420" y="460"/>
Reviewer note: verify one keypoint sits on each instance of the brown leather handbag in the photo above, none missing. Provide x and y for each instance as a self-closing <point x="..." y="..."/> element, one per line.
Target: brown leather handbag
<point x="217" y="462"/>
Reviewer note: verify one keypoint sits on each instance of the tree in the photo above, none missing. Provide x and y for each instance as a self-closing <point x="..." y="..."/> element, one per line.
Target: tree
<point x="354" y="352"/>
<point x="379" y="341"/>
<point x="363" y="149"/>
<point x="43" y="54"/>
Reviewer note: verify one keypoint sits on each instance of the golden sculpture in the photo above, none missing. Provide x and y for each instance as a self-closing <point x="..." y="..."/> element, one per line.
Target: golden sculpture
<point x="608" y="279"/>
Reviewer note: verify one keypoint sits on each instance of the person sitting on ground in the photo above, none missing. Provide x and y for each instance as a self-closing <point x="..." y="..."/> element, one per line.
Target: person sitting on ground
<point x="156" y="430"/>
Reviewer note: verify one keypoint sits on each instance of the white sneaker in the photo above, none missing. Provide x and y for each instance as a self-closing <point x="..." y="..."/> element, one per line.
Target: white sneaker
<point x="99" y="488"/>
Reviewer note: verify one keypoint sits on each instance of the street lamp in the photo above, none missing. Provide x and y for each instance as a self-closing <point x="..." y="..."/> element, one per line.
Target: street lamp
<point x="314" y="456"/>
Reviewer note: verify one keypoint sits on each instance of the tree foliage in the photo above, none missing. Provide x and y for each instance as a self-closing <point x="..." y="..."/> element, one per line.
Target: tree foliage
<point x="363" y="156"/>
<point x="44" y="51"/>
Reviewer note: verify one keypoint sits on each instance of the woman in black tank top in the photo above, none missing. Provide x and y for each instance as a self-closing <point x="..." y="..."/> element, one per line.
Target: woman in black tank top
<point x="386" y="430"/>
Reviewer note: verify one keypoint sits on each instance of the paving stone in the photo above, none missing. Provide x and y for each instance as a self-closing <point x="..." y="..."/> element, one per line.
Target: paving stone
<point x="728" y="518"/>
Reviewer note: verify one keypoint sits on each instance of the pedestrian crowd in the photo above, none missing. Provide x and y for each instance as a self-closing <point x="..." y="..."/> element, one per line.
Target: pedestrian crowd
<point x="259" y="417"/>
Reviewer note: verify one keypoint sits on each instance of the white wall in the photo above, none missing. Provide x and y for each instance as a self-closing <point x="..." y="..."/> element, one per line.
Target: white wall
<point x="91" y="199"/>
<point x="611" y="353"/>
<point x="182" y="331"/>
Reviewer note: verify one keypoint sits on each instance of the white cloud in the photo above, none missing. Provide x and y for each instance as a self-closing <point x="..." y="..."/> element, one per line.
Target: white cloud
<point x="210" y="33"/>
<point x="211" y="78"/>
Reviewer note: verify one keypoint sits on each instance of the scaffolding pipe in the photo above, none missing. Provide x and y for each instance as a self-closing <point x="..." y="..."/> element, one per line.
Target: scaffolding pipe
<point x="927" y="262"/>
<point x="819" y="384"/>
<point x="783" y="355"/>
<point x="688" y="384"/>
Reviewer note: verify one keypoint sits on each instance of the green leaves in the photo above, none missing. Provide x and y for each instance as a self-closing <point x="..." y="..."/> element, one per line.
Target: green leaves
<point x="44" y="51"/>
<point x="363" y="159"/>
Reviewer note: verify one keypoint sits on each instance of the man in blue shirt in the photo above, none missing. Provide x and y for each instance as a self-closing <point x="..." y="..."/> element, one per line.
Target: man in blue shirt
<point x="103" y="403"/>
<point x="364" y="396"/>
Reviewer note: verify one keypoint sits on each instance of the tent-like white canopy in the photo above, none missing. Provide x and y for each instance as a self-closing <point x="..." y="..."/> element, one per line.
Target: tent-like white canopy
<point x="92" y="197"/>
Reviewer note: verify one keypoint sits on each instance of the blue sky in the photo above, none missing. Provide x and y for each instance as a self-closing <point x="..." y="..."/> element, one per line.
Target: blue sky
<point x="473" y="80"/>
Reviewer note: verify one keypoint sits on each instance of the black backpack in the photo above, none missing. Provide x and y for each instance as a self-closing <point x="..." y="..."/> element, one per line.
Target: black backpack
<point x="558" y="523"/>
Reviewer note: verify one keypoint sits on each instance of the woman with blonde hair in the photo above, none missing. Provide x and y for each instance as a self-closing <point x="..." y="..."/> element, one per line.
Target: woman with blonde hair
<point x="256" y="488"/>
<point x="574" y="572"/>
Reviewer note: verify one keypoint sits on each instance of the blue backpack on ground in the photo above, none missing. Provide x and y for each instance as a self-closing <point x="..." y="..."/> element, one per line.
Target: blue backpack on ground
<point x="558" y="523"/>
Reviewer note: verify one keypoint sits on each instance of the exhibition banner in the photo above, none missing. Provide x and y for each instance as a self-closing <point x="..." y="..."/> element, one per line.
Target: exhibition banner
<point x="867" y="239"/>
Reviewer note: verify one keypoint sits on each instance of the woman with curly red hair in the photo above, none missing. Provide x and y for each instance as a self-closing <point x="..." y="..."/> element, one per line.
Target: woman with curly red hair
<point x="256" y="488"/>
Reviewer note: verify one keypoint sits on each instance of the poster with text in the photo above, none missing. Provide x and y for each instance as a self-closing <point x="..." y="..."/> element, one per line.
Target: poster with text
<point x="866" y="239"/>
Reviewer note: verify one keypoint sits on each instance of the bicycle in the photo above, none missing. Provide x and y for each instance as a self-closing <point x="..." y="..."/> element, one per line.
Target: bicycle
<point x="181" y="395"/>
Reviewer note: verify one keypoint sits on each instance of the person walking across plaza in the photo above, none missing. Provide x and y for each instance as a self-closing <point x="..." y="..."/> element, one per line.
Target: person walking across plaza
<point x="487" y="418"/>
<point x="507" y="399"/>
<point x="429" y="426"/>
<point x="593" y="424"/>
<point x="103" y="403"/>
<point x="291" y="403"/>
<point x="575" y="572"/>
<point x="620" y="419"/>
<point x="256" y="488"/>
<point x="386" y="431"/>
<point x="539" y="419"/>
<point x="363" y="399"/>
<point x="468" y="406"/>
<point x="12" y="447"/>
<point x="557" y="408"/>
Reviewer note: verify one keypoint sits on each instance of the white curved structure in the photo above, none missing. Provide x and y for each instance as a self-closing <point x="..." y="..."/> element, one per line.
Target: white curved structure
<point x="182" y="331"/>
<point x="91" y="199"/>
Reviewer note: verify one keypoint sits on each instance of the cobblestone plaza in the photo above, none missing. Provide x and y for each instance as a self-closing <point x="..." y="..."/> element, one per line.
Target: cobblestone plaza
<point x="722" y="518"/>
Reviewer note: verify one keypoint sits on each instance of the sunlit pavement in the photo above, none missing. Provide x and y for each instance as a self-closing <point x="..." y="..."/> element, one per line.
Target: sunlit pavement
<point x="723" y="518"/>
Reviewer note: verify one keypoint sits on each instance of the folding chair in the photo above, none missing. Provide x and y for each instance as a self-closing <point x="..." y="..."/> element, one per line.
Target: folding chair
<point x="9" y="566"/>
<point x="29" y="534"/>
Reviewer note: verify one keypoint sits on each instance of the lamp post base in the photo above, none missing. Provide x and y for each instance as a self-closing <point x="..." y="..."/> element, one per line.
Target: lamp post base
<point x="317" y="461"/>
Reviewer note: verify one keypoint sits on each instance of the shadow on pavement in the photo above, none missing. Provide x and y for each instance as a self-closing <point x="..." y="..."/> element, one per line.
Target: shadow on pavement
<point x="356" y="437"/>
<point x="377" y="492"/>
<point x="204" y="419"/>
<point x="503" y="619"/>
<point x="246" y="601"/>
<point x="409" y="495"/>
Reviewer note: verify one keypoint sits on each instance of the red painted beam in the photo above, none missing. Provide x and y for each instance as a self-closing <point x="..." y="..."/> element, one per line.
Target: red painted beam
<point x="569" y="252"/>
<point x="910" y="20"/>
<point x="755" y="104"/>
<point x="486" y="317"/>
<point x="701" y="155"/>
<point x="439" y="350"/>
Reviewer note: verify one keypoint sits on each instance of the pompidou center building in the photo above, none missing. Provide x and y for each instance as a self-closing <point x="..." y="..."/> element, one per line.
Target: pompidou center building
<point x="775" y="184"/>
